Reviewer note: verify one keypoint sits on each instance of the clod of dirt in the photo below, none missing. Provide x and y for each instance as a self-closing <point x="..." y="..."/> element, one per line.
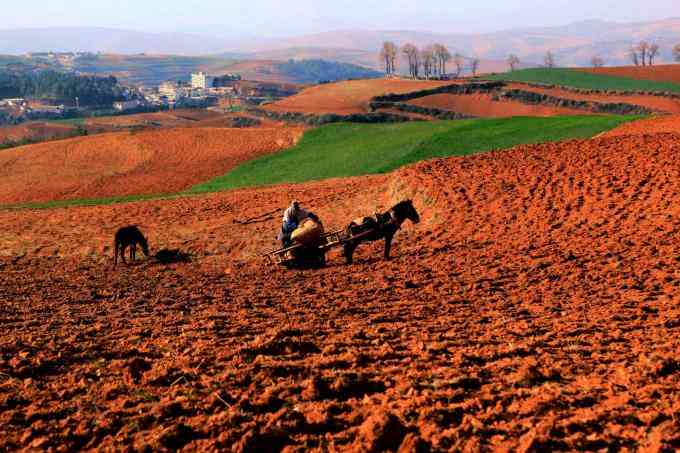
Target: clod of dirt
<point x="175" y="437"/>
<point x="380" y="432"/>
<point x="135" y="369"/>
<point x="263" y="440"/>
<point x="531" y="373"/>
<point x="414" y="444"/>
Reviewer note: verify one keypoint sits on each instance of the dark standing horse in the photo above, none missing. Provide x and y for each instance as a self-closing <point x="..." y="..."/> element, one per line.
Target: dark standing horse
<point x="129" y="236"/>
<point x="381" y="226"/>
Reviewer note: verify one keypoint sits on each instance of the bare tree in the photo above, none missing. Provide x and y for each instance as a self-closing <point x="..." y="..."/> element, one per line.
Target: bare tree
<point x="443" y="56"/>
<point x="388" y="55"/>
<point x="596" y="62"/>
<point x="459" y="61"/>
<point x="474" y="66"/>
<point x="411" y="53"/>
<point x="652" y="53"/>
<point x="676" y="53"/>
<point x="428" y="61"/>
<point x="643" y="48"/>
<point x="549" y="60"/>
<point x="513" y="61"/>
<point x="417" y="63"/>
<point x="634" y="56"/>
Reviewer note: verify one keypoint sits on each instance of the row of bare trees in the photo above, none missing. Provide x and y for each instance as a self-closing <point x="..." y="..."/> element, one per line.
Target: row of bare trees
<point x="676" y="53"/>
<point x="641" y="54"/>
<point x="388" y="55"/>
<point x="644" y="53"/>
<point x="549" y="61"/>
<point x="433" y="59"/>
<point x="429" y="62"/>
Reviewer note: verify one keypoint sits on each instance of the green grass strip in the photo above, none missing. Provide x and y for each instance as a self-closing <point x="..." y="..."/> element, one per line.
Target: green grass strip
<point x="584" y="80"/>
<point x="342" y="150"/>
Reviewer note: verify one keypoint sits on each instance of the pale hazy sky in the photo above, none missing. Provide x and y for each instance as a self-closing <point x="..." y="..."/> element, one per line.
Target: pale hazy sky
<point x="293" y="17"/>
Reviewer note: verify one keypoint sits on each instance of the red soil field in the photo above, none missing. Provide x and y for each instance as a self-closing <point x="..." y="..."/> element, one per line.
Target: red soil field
<point x="660" y="73"/>
<point x="129" y="163"/>
<point x="534" y="308"/>
<point x="34" y="131"/>
<point x="656" y="103"/>
<point x="174" y="118"/>
<point x="483" y="106"/>
<point x="349" y="97"/>
<point x="647" y="126"/>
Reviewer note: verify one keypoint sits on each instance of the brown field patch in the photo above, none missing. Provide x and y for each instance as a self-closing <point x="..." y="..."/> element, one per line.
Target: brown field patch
<point x="38" y="131"/>
<point x="345" y="98"/>
<point x="659" y="73"/>
<point x="656" y="103"/>
<point x="647" y="126"/>
<point x="172" y="118"/>
<point x="533" y="308"/>
<point x="128" y="163"/>
<point x="484" y="106"/>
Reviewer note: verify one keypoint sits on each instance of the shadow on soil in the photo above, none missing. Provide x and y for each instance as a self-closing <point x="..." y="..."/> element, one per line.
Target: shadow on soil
<point x="167" y="256"/>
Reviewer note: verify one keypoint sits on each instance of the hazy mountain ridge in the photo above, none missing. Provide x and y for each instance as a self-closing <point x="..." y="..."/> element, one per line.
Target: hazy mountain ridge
<point x="574" y="44"/>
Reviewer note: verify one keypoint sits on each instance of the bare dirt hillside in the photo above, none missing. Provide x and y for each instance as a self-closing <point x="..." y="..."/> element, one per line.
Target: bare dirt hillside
<point x="534" y="308"/>
<point x="347" y="97"/>
<point x="647" y="126"/>
<point x="659" y="73"/>
<point x="35" y="131"/>
<point x="655" y="103"/>
<point x="131" y="163"/>
<point x="173" y="118"/>
<point x="485" y="106"/>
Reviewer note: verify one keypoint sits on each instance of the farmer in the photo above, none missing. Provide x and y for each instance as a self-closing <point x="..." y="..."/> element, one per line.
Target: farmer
<point x="291" y="220"/>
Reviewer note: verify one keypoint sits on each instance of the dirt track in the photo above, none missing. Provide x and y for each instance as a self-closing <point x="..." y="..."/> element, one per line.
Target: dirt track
<point x="130" y="163"/>
<point x="534" y="308"/>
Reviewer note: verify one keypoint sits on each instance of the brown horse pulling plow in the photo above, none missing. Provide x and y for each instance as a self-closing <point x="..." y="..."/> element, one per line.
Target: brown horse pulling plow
<point x="367" y="229"/>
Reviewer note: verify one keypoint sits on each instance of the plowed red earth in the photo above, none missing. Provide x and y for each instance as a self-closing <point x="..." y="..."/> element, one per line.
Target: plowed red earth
<point x="119" y="164"/>
<point x="350" y="97"/>
<point x="534" y="308"/>
<point x="34" y="131"/>
<point x="656" y="103"/>
<point x="172" y="119"/>
<point x="483" y="106"/>
<point x="647" y="126"/>
<point x="659" y="73"/>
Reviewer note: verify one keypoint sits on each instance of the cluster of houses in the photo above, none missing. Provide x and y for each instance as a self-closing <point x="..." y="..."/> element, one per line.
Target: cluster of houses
<point x="63" y="59"/>
<point x="204" y="90"/>
<point x="16" y="110"/>
<point x="201" y="91"/>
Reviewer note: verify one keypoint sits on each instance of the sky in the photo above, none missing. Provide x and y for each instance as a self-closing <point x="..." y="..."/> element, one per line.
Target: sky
<point x="273" y="18"/>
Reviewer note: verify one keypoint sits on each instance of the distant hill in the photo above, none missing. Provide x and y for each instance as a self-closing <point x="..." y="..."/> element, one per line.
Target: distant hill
<point x="106" y="40"/>
<point x="153" y="69"/>
<point x="368" y="59"/>
<point x="574" y="44"/>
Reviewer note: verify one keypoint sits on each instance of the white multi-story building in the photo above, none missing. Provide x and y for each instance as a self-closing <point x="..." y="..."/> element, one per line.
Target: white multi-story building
<point x="168" y="90"/>
<point x="201" y="80"/>
<point x="126" y="105"/>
